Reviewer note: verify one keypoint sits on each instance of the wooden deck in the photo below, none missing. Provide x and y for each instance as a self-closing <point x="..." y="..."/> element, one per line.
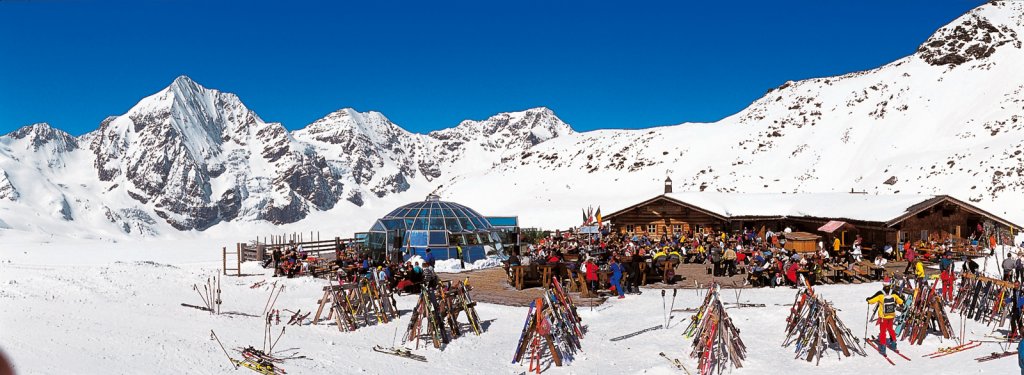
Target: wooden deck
<point x="491" y="286"/>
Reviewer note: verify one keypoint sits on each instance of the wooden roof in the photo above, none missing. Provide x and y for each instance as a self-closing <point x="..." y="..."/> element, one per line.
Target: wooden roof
<point x="917" y="205"/>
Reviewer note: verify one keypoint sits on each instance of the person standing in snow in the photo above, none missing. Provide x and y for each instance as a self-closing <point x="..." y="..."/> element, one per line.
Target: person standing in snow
<point x="462" y="262"/>
<point x="591" y="273"/>
<point x="1016" y="302"/>
<point x="428" y="258"/>
<point x="910" y="255"/>
<point x="616" y="277"/>
<point x="948" y="276"/>
<point x="886" y="302"/>
<point x="1019" y="267"/>
<point x="919" y="270"/>
<point x="1008" y="265"/>
<point x="429" y="277"/>
<point x="729" y="261"/>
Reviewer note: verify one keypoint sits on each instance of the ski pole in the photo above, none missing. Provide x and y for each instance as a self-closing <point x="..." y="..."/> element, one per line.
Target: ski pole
<point x="672" y="307"/>
<point x="214" y="336"/>
<point x="663" y="306"/>
<point x="867" y="319"/>
<point x="272" y="289"/>
<point x="275" y="341"/>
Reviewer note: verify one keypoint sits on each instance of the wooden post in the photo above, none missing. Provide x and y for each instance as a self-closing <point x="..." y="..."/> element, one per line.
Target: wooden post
<point x="239" y="260"/>
<point x="224" y="259"/>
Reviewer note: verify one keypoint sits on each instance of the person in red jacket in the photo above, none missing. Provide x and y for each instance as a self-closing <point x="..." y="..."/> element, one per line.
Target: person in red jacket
<point x="591" y="270"/>
<point x="909" y="255"/>
<point x="792" y="271"/>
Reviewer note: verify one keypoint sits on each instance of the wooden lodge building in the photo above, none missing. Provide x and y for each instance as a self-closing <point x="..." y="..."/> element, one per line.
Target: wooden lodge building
<point x="879" y="219"/>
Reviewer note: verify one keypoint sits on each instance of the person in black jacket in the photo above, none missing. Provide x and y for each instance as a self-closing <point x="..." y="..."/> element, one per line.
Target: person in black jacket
<point x="970" y="266"/>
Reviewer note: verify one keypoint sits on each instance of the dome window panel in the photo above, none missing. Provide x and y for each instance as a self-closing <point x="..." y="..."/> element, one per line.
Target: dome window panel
<point x="438" y="238"/>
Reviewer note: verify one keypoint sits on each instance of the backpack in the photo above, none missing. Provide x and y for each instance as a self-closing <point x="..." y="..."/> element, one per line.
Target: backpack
<point x="889" y="304"/>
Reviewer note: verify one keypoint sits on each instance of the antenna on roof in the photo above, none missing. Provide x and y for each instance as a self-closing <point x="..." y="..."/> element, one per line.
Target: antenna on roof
<point x="434" y="195"/>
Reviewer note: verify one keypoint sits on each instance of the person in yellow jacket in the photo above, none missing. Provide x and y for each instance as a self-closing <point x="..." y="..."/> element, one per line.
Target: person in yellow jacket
<point x="919" y="270"/>
<point x="886" y="301"/>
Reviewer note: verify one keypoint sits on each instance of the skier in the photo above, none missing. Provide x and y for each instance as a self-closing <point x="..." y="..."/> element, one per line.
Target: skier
<point x="886" y="301"/>
<point x="616" y="277"/>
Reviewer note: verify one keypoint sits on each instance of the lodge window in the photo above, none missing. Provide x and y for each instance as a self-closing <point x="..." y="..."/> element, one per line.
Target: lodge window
<point x="630" y="228"/>
<point x="651" y="228"/>
<point x="924" y="235"/>
<point x="676" y="228"/>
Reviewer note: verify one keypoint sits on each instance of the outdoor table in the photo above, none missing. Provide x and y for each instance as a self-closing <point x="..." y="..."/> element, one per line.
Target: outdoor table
<point x="837" y="272"/>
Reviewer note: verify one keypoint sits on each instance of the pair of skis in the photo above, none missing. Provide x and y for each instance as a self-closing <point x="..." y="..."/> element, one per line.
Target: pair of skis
<point x="675" y="362"/>
<point x="873" y="342"/>
<point x="400" y="352"/>
<point x="995" y="356"/>
<point x="954" y="349"/>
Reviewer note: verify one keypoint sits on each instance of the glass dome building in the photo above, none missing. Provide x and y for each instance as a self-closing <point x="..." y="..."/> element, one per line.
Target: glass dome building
<point x="443" y="227"/>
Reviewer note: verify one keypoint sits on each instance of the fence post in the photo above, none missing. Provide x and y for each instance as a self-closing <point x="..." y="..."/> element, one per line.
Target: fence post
<point x="239" y="259"/>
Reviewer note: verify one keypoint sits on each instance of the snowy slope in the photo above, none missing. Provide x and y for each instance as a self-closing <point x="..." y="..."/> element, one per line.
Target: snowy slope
<point x="948" y="119"/>
<point x="118" y="312"/>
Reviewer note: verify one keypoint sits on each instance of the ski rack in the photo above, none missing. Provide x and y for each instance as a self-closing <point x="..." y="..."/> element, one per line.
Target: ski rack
<point x="553" y="319"/>
<point x="925" y="313"/>
<point x="438" y="310"/>
<point x="716" y="341"/>
<point x="361" y="303"/>
<point x="814" y="327"/>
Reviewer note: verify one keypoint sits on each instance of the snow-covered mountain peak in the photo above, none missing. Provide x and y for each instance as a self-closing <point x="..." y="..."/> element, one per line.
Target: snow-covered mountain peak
<point x="41" y="135"/>
<point x="975" y="35"/>
<point x="341" y="126"/>
<point x="506" y="131"/>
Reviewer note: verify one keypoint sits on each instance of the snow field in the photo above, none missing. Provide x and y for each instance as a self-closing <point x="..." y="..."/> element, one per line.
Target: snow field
<point x="118" y="312"/>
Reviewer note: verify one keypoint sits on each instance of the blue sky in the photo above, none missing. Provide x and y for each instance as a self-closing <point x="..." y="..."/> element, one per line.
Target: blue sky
<point x="429" y="65"/>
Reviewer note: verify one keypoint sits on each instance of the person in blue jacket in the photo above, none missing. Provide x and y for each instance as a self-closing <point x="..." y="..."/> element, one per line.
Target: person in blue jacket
<point x="616" y="269"/>
<point x="428" y="258"/>
<point x="1020" y="357"/>
<point x="1016" y="302"/>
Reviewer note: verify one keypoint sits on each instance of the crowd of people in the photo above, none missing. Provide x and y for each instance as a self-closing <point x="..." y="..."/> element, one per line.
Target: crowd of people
<point x="291" y="260"/>
<point x="763" y="257"/>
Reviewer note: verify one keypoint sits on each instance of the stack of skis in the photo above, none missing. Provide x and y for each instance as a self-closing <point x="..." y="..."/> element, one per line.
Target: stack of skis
<point x="358" y="303"/>
<point x="438" y="310"/>
<point x="814" y="327"/>
<point x="210" y="295"/>
<point x="553" y="319"/>
<point x="984" y="299"/>
<point x="924" y="312"/>
<point x="716" y="341"/>
<point x="259" y="361"/>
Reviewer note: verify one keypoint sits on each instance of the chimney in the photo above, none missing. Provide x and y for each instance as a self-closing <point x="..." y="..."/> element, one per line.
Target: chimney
<point x="668" y="185"/>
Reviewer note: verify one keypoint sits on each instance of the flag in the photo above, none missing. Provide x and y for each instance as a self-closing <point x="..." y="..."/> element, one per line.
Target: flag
<point x="598" y="215"/>
<point x="584" y="216"/>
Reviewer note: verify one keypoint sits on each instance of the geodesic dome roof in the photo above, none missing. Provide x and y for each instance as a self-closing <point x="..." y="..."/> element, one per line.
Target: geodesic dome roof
<point x="433" y="214"/>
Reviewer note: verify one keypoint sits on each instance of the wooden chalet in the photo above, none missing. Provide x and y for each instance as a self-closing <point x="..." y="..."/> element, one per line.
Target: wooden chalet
<point x="878" y="219"/>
